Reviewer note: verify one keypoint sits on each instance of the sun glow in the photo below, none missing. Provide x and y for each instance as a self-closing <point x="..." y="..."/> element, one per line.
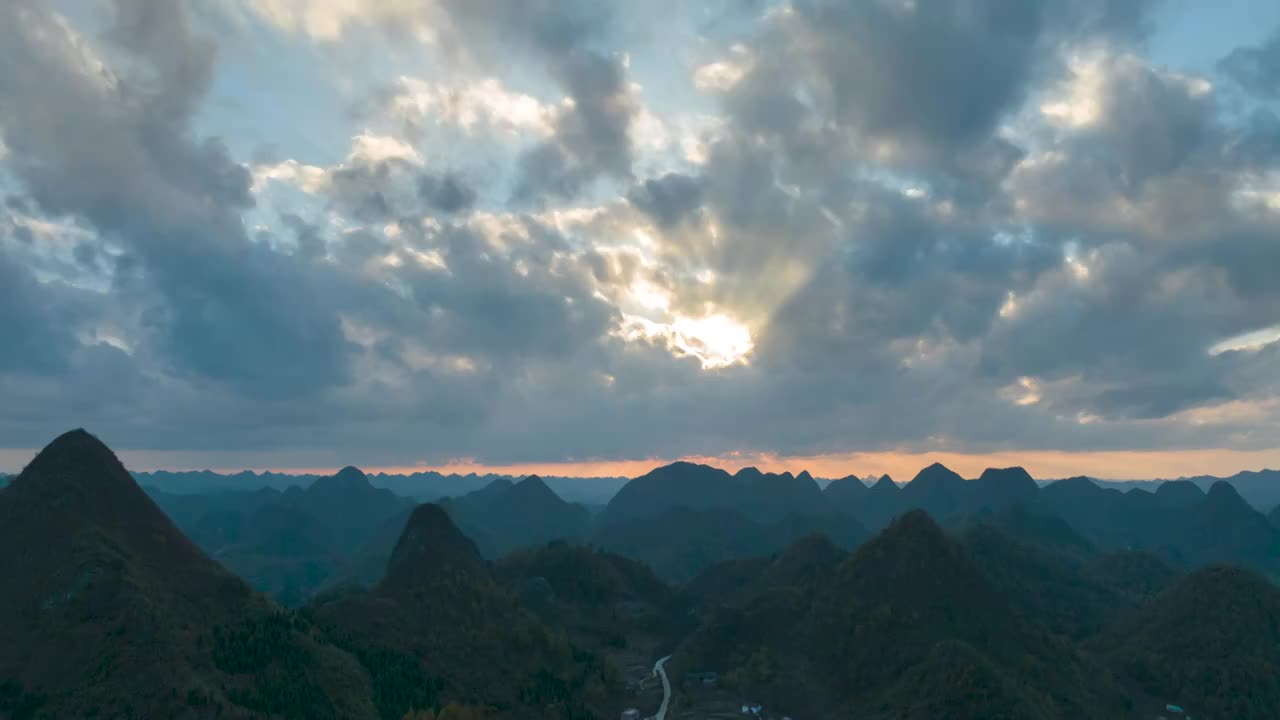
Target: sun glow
<point x="717" y="340"/>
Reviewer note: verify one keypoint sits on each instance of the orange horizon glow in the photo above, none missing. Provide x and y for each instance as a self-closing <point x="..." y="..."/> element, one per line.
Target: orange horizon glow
<point x="1128" y="465"/>
<point x="902" y="466"/>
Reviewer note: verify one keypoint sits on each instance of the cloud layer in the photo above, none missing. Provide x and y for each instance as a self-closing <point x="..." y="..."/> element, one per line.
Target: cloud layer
<point x="548" y="232"/>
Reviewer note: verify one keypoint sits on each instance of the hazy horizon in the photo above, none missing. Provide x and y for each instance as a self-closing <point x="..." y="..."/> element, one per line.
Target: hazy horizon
<point x="588" y="238"/>
<point x="1043" y="465"/>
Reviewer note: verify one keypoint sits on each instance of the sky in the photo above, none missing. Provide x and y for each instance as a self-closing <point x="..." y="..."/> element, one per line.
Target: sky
<point x="584" y="237"/>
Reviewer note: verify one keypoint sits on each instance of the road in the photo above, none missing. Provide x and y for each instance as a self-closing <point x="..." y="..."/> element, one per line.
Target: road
<point x="659" y="670"/>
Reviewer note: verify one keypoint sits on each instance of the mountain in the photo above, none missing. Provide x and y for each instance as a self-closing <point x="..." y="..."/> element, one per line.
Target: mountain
<point x="1055" y="589"/>
<point x="347" y="504"/>
<point x="207" y="482"/>
<point x="755" y="626"/>
<point x="761" y="497"/>
<point x="1179" y="493"/>
<point x="1219" y="526"/>
<point x="1210" y="643"/>
<point x="427" y="486"/>
<point x="110" y="611"/>
<point x="216" y="519"/>
<point x="1261" y="489"/>
<point x="1223" y="528"/>
<point x="936" y="489"/>
<point x="366" y="564"/>
<point x="291" y="544"/>
<point x="911" y="588"/>
<point x="505" y="516"/>
<point x="908" y="625"/>
<point x="1274" y="517"/>
<point x="603" y="600"/>
<point x="680" y="543"/>
<point x="430" y="549"/>
<point x="769" y="497"/>
<point x="284" y="552"/>
<point x="846" y="492"/>
<point x="1003" y="487"/>
<point x="882" y="503"/>
<point x="453" y="634"/>
<point x="1036" y="526"/>
<point x="432" y="486"/>
<point x="738" y="583"/>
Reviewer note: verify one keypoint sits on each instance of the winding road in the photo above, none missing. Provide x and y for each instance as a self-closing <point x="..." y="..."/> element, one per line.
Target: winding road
<point x="661" y="671"/>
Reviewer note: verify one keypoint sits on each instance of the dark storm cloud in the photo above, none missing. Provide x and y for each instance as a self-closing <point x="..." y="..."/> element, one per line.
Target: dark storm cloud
<point x="1255" y="68"/>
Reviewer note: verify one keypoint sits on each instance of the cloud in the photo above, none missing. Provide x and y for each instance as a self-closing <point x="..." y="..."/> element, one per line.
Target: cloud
<point x="818" y="227"/>
<point x="484" y="105"/>
<point x="1255" y="68"/>
<point x="667" y="199"/>
<point x="382" y="179"/>
<point x="118" y="155"/>
<point x="591" y="138"/>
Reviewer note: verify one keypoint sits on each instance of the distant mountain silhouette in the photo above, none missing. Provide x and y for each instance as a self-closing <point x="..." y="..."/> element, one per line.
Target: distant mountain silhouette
<point x="428" y="486"/>
<point x="109" y="609"/>
<point x="216" y="520"/>
<point x="1274" y="516"/>
<point x="506" y="516"/>
<point x="1003" y="487"/>
<point x="845" y="493"/>
<point x="937" y="490"/>
<point x="1179" y="493"/>
<point x="1218" y="527"/>
<point x="761" y="497"/>
<point x="346" y="503"/>
<point x="259" y="534"/>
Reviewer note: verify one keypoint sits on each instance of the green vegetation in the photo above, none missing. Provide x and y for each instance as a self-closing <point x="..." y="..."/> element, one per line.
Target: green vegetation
<point x="16" y="703"/>
<point x="398" y="679"/>
<point x="1015" y="615"/>
<point x="1210" y="643"/>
